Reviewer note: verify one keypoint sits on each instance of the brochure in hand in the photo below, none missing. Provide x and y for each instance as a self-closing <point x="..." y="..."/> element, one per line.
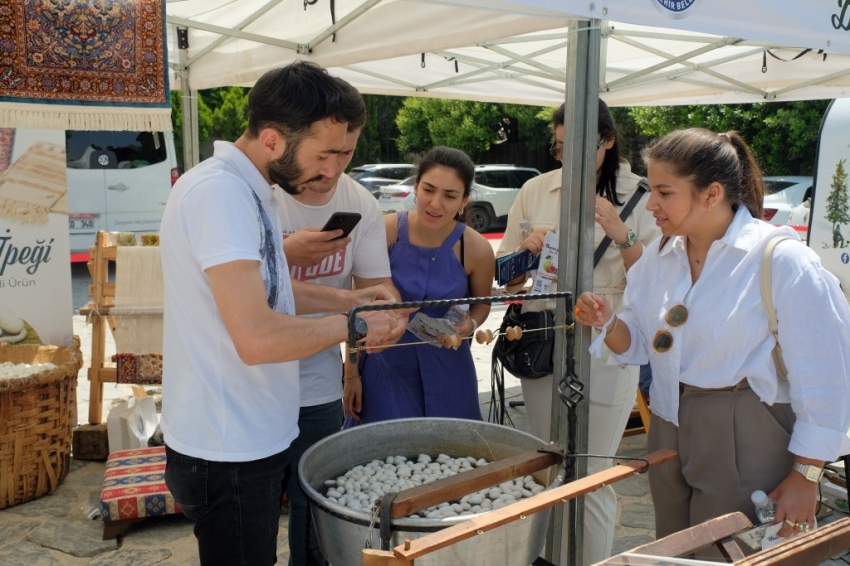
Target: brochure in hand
<point x="511" y="266"/>
<point x="430" y="329"/>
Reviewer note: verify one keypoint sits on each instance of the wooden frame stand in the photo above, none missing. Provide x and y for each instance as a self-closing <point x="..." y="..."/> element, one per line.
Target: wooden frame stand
<point x="97" y="310"/>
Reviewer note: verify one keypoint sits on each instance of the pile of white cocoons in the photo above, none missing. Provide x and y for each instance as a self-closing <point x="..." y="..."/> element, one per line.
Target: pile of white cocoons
<point x="362" y="485"/>
<point x="8" y="370"/>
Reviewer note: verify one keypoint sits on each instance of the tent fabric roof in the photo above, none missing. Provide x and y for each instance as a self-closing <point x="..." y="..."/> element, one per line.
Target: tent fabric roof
<point x="515" y="50"/>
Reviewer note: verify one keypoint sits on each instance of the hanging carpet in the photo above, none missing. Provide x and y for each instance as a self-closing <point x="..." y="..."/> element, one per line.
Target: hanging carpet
<point x="84" y="65"/>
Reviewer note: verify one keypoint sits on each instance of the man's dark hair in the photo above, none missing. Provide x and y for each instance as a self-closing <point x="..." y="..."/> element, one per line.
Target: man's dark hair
<point x="294" y="97"/>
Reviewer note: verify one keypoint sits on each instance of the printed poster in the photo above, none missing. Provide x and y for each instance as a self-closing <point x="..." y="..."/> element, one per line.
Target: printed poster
<point x="35" y="274"/>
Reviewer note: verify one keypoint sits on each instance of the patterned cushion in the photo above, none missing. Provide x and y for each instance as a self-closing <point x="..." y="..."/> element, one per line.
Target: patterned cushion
<point x="134" y="485"/>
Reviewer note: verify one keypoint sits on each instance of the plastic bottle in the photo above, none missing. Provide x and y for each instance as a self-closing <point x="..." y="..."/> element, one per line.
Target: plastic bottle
<point x="457" y="315"/>
<point x="765" y="507"/>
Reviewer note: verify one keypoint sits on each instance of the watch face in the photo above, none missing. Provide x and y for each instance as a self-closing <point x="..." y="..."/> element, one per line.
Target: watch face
<point x="360" y="328"/>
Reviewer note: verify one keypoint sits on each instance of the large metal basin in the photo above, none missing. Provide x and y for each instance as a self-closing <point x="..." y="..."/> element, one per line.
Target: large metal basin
<point x="343" y="532"/>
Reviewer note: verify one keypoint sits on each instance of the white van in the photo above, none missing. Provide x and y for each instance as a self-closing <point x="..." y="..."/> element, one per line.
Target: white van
<point x="117" y="181"/>
<point x="829" y="218"/>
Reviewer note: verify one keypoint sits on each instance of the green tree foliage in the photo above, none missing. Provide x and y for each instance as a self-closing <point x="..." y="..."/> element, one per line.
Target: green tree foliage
<point x="469" y="126"/>
<point x="837" y="208"/>
<point x="230" y="117"/>
<point x="205" y="123"/>
<point x="782" y="135"/>
<point x="377" y="143"/>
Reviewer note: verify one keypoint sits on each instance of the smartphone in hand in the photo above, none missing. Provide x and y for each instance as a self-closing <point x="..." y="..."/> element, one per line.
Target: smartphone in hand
<point x="345" y="221"/>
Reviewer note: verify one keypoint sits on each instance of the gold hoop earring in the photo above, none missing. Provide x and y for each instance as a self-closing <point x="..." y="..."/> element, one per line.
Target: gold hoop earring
<point x="711" y="208"/>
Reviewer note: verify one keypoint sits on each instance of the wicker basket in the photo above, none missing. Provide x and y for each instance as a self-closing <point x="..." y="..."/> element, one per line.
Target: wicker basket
<point x="37" y="414"/>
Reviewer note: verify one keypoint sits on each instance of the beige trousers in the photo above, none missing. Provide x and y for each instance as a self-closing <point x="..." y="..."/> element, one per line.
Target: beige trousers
<point x="729" y="444"/>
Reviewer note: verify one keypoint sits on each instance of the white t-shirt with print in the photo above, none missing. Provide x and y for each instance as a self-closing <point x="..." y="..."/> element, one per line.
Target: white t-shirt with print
<point x="365" y="256"/>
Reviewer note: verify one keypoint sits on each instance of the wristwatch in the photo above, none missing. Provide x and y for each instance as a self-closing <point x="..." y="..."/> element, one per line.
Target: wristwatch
<point x="809" y="471"/>
<point x="360" y="328"/>
<point x="631" y="239"/>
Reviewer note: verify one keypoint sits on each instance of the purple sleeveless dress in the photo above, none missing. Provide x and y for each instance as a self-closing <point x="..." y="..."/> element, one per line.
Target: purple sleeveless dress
<point x="422" y="380"/>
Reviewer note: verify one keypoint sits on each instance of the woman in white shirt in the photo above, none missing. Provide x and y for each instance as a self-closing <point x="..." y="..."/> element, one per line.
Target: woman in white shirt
<point x="695" y="311"/>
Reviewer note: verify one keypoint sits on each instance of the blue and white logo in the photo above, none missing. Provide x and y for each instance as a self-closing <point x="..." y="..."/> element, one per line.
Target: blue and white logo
<point x="845" y="258"/>
<point x="676" y="9"/>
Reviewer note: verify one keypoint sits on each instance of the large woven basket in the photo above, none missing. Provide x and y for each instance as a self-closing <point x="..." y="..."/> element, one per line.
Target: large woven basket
<point x="37" y="414"/>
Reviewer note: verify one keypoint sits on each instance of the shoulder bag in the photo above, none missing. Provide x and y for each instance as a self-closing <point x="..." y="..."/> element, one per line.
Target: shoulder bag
<point x="767" y="300"/>
<point x="530" y="357"/>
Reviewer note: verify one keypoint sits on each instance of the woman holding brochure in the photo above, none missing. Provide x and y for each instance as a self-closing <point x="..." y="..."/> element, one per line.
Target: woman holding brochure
<point x="536" y="214"/>
<point x="433" y="256"/>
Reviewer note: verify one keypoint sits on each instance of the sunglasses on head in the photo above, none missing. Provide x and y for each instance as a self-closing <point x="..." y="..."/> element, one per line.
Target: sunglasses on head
<point x="675" y="317"/>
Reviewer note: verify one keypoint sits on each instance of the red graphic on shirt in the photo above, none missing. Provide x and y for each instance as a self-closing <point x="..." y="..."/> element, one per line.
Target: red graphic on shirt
<point x="330" y="266"/>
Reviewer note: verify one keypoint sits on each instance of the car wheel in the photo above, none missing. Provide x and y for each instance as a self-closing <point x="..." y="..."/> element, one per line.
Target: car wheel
<point x="479" y="219"/>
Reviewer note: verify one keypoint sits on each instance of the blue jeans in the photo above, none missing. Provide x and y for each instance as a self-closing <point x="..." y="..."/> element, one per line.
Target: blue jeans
<point x="235" y="506"/>
<point x="314" y="424"/>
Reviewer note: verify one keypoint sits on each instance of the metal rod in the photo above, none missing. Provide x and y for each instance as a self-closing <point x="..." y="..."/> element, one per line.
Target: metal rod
<point x="352" y="314"/>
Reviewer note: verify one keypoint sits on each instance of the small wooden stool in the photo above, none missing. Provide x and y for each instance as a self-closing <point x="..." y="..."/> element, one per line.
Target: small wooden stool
<point x="133" y="489"/>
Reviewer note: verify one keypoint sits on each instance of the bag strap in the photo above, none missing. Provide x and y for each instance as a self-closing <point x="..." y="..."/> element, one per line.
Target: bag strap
<point x="630" y="206"/>
<point x="767" y="300"/>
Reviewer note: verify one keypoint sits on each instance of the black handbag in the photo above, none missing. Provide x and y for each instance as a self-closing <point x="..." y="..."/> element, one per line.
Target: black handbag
<point x="530" y="357"/>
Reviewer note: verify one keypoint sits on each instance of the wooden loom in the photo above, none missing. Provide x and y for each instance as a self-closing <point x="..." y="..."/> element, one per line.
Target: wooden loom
<point x="101" y="313"/>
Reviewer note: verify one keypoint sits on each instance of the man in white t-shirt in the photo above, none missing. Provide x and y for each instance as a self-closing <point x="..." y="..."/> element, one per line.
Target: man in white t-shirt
<point x="231" y="343"/>
<point x="315" y="257"/>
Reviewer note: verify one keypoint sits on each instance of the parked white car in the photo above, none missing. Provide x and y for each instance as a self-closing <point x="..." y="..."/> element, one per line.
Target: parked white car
<point x="782" y="194"/>
<point x="798" y="219"/>
<point x="493" y="193"/>
<point x="117" y="181"/>
<point x="393" y="198"/>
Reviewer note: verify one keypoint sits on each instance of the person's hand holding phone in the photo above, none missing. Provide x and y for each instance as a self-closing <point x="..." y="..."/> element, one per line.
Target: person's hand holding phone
<point x="308" y="247"/>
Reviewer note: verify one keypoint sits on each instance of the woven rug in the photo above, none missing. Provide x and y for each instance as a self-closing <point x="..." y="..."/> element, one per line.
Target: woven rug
<point x="84" y="65"/>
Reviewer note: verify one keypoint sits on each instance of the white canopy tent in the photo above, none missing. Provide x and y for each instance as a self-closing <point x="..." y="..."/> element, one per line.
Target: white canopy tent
<point x="516" y="51"/>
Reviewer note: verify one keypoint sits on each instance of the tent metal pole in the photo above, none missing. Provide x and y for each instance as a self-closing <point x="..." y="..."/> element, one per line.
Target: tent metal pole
<point x="575" y="273"/>
<point x="189" y="98"/>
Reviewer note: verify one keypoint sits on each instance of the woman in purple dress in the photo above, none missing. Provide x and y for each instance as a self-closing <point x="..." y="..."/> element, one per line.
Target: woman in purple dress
<point x="433" y="255"/>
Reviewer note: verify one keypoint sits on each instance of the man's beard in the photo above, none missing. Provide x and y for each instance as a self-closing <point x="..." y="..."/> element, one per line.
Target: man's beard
<point x="286" y="172"/>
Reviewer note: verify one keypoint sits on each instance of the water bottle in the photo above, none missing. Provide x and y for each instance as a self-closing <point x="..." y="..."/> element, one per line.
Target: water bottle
<point x="457" y="315"/>
<point x="765" y="507"/>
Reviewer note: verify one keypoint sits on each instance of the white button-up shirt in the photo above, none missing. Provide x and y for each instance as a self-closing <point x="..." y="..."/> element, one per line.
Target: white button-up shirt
<point x="726" y="336"/>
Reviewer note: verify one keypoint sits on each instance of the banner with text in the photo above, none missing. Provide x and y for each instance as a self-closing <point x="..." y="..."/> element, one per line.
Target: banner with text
<point x="35" y="275"/>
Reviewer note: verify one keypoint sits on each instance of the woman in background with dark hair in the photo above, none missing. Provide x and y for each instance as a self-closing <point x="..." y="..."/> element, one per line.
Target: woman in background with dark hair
<point x="612" y="388"/>
<point x="695" y="311"/>
<point x="433" y="255"/>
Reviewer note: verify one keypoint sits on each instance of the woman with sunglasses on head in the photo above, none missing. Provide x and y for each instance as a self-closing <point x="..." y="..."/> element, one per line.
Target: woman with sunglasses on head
<point x="612" y="388"/>
<point x="695" y="311"/>
<point x="433" y="256"/>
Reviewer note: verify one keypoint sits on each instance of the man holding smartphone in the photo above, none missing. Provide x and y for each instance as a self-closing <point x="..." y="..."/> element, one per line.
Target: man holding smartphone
<point x="323" y="257"/>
